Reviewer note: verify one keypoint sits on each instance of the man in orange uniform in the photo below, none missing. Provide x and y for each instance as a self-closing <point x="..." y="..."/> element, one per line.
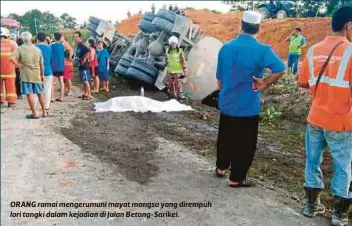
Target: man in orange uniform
<point x="327" y="72"/>
<point x="8" y="70"/>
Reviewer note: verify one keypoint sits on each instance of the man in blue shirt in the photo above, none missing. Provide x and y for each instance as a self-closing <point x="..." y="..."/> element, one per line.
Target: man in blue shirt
<point x="48" y="73"/>
<point x="82" y="61"/>
<point x="240" y="69"/>
<point x="58" y="63"/>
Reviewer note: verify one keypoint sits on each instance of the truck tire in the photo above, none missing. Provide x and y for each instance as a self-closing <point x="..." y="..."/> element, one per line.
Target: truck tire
<point x="159" y="65"/>
<point x="91" y="27"/>
<point x="148" y="16"/>
<point x="120" y="70"/>
<point x="125" y="63"/>
<point x="146" y="26"/>
<point x="127" y="57"/>
<point x="140" y="76"/>
<point x="167" y="15"/>
<point x="265" y="12"/>
<point x="282" y="14"/>
<point x="163" y="24"/>
<point x="144" y="66"/>
<point x="94" y="20"/>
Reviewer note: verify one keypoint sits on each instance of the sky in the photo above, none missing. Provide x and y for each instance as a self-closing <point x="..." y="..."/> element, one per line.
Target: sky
<point x="108" y="10"/>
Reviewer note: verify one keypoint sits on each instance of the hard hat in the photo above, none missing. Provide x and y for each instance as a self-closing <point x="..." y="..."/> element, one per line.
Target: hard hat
<point x="5" y="32"/>
<point x="173" y="39"/>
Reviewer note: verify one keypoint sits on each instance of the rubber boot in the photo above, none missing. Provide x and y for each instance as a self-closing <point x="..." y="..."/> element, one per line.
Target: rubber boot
<point x="313" y="206"/>
<point x="340" y="211"/>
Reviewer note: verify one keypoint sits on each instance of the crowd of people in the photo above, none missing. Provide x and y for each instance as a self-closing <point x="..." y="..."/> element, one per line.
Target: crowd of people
<point x="326" y="71"/>
<point x="32" y="66"/>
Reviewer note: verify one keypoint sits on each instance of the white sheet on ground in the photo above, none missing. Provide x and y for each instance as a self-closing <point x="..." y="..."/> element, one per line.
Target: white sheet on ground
<point x="139" y="104"/>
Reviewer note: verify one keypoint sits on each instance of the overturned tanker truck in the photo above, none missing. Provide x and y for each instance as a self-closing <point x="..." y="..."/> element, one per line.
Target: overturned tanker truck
<point x="142" y="57"/>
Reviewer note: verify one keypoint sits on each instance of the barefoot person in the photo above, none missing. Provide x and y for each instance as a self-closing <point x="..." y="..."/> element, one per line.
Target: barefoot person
<point x="58" y="63"/>
<point x="68" y="71"/>
<point x="93" y="64"/>
<point x="239" y="60"/>
<point x="103" y="68"/>
<point x="48" y="73"/>
<point x="30" y="61"/>
<point x="82" y="61"/>
<point x="330" y="117"/>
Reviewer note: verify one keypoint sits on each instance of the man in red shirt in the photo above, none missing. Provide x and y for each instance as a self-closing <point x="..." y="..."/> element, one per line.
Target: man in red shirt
<point x="330" y="116"/>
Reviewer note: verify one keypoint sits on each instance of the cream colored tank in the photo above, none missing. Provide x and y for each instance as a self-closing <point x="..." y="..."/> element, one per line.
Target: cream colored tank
<point x="201" y="63"/>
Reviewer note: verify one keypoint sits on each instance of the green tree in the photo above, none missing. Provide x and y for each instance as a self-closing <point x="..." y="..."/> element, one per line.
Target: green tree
<point x="68" y="22"/>
<point x="31" y="18"/>
<point x="49" y="23"/>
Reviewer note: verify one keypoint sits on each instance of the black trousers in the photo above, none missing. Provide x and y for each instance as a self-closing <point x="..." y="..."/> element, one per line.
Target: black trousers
<point x="236" y="145"/>
<point x="18" y="83"/>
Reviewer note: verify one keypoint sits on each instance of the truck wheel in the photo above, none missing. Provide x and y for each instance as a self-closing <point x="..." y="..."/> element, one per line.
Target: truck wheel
<point x="159" y="65"/>
<point x="94" y="20"/>
<point x="146" y="26"/>
<point x="163" y="24"/>
<point x="125" y="63"/>
<point x="127" y="57"/>
<point x="91" y="27"/>
<point x="148" y="16"/>
<point x="167" y="15"/>
<point x="140" y="76"/>
<point x="265" y="12"/>
<point x="144" y="66"/>
<point x="281" y="14"/>
<point x="120" y="70"/>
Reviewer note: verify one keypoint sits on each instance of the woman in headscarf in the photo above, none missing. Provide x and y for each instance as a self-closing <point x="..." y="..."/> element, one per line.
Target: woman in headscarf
<point x="176" y="68"/>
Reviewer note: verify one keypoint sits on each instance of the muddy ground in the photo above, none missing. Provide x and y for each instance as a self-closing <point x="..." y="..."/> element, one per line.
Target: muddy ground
<point x="126" y="140"/>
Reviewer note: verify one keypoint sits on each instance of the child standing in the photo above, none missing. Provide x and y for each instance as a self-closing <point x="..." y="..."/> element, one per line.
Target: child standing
<point x="103" y="68"/>
<point x="93" y="64"/>
<point x="68" y="72"/>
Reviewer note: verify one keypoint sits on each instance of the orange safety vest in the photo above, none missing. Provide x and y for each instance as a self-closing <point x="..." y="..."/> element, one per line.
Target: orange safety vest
<point x="332" y="105"/>
<point x="8" y="69"/>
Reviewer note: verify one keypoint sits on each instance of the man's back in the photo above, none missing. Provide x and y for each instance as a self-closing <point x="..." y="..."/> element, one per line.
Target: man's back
<point x="58" y="61"/>
<point x="31" y="58"/>
<point x="8" y="48"/>
<point x="47" y="56"/>
<point x="332" y="102"/>
<point x="240" y="60"/>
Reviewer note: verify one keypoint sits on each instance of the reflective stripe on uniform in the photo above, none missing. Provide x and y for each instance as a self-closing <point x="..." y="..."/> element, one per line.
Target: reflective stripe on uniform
<point x="336" y="82"/>
<point x="11" y="94"/>
<point x="6" y="53"/>
<point x="344" y="62"/>
<point x="8" y="76"/>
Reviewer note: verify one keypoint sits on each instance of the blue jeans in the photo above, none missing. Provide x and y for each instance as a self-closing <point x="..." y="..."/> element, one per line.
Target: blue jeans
<point x="293" y="60"/>
<point x="340" y="145"/>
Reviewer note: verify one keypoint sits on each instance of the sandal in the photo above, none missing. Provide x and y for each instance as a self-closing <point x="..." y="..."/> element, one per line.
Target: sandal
<point x="219" y="174"/>
<point x="31" y="116"/>
<point x="243" y="184"/>
<point x="86" y="98"/>
<point x="58" y="99"/>
<point x="81" y="96"/>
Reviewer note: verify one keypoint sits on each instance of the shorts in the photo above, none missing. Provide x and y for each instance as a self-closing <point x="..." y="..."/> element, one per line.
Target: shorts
<point x="58" y="73"/>
<point x="68" y="73"/>
<point x="104" y="75"/>
<point x="31" y="88"/>
<point x="84" y="75"/>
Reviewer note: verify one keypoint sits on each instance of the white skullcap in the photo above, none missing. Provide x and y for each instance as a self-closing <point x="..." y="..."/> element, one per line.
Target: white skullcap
<point x="252" y="17"/>
<point x="173" y="39"/>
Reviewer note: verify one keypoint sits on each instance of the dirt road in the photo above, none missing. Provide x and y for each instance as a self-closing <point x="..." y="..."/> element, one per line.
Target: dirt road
<point x="79" y="156"/>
